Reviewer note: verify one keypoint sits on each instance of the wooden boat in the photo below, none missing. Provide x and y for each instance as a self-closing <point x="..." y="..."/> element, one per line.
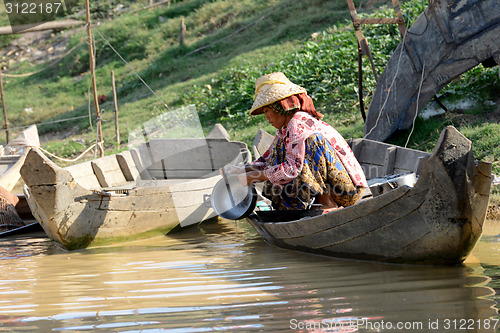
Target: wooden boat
<point x="138" y="193"/>
<point x="13" y="154"/>
<point x="448" y="39"/>
<point x="436" y="221"/>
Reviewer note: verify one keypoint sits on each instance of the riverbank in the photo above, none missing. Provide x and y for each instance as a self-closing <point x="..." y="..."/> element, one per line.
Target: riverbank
<point x="493" y="212"/>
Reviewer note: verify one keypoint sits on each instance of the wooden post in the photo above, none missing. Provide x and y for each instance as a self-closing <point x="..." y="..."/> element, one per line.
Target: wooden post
<point x="183" y="31"/>
<point x="6" y="126"/>
<point x="400" y="18"/>
<point x="151" y="2"/>
<point x="363" y="47"/>
<point x="94" y="86"/>
<point x="360" y="83"/>
<point x="115" y="103"/>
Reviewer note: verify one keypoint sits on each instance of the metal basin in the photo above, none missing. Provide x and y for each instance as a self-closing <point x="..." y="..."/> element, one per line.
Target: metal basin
<point x="383" y="185"/>
<point x="231" y="200"/>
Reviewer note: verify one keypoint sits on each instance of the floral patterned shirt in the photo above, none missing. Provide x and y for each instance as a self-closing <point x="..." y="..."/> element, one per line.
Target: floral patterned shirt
<point x="294" y="136"/>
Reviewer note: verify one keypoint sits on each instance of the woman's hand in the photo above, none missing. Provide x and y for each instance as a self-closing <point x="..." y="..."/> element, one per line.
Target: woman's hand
<point x="250" y="177"/>
<point x="232" y="170"/>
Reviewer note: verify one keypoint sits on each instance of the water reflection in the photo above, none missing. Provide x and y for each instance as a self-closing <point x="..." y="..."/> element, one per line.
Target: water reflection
<point x="223" y="277"/>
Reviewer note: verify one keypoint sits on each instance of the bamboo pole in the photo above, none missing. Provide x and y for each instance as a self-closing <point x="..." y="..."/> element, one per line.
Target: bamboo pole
<point x="115" y="103"/>
<point x="6" y="126"/>
<point x="24" y="28"/>
<point x="183" y="31"/>
<point x="94" y="85"/>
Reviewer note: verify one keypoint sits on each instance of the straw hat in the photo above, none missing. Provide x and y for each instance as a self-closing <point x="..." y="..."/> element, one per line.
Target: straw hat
<point x="271" y="88"/>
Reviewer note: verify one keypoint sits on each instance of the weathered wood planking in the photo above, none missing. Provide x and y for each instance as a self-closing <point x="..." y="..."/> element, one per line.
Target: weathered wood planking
<point x="223" y="152"/>
<point x="190" y="158"/>
<point x="379" y="159"/>
<point x="191" y="153"/>
<point x="108" y="171"/>
<point x="143" y="170"/>
<point x="448" y="39"/>
<point x="83" y="173"/>
<point x="127" y="165"/>
<point x="354" y="229"/>
<point x="300" y="228"/>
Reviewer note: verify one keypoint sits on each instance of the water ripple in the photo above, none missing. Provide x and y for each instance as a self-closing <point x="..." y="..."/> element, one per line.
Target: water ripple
<point x="228" y="281"/>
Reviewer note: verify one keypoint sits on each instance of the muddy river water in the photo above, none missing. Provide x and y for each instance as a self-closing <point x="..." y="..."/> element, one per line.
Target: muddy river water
<point x="223" y="277"/>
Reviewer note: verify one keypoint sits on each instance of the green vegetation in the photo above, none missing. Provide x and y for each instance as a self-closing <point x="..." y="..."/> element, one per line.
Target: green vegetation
<point x="228" y="44"/>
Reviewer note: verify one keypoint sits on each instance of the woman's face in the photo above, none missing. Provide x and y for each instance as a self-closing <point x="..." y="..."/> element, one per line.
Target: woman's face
<point x="275" y="119"/>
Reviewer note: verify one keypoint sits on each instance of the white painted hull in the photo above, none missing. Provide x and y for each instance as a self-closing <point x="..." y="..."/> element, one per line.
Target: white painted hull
<point x="78" y="216"/>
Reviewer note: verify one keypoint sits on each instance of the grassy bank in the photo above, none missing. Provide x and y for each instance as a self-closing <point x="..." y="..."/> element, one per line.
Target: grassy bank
<point x="228" y="44"/>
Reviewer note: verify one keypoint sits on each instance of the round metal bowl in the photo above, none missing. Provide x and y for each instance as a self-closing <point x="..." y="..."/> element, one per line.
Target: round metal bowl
<point x="231" y="200"/>
<point x="389" y="183"/>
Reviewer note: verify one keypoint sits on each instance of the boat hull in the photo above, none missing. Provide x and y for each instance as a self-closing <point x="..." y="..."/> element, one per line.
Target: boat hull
<point x="438" y="221"/>
<point x="95" y="219"/>
<point x="117" y="204"/>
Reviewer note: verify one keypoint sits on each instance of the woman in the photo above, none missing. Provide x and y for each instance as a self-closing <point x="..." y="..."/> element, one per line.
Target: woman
<point x="308" y="161"/>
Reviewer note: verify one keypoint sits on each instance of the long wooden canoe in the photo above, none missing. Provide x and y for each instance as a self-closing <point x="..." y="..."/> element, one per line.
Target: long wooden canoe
<point x="436" y="221"/>
<point x="139" y="193"/>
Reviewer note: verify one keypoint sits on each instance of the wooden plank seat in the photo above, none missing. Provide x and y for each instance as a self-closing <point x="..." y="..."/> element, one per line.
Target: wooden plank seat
<point x="110" y="173"/>
<point x="380" y="159"/>
<point x="83" y="173"/>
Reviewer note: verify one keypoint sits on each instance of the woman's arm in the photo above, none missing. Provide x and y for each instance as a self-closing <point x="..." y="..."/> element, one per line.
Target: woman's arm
<point x="235" y="170"/>
<point x="258" y="165"/>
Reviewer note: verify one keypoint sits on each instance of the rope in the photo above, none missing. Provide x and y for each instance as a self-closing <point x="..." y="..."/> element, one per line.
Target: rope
<point x="416" y="110"/>
<point x="130" y="67"/>
<point x="392" y="83"/>
<point x="142" y="80"/>
<point x="27" y="143"/>
<point x="49" y="122"/>
<point x="230" y="35"/>
<point x="66" y="159"/>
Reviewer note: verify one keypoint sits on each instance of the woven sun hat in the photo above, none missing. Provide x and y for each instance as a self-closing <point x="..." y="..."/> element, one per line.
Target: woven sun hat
<point x="271" y="88"/>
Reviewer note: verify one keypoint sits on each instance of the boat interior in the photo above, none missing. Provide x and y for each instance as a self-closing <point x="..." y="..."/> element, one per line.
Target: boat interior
<point x="385" y="166"/>
<point x="175" y="160"/>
